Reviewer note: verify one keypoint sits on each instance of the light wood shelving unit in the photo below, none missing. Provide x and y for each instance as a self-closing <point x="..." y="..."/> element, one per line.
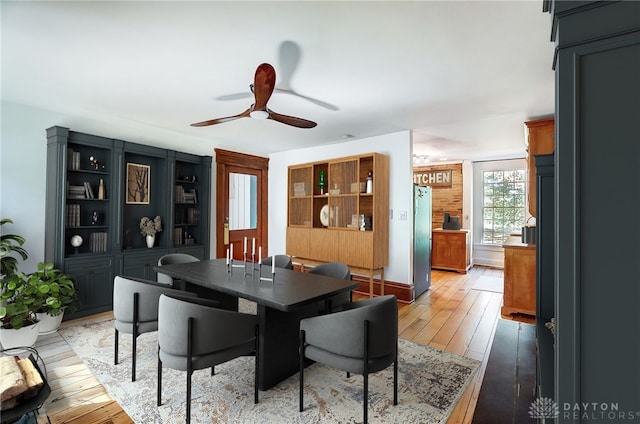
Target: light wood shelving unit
<point x="344" y="201"/>
<point x="539" y="142"/>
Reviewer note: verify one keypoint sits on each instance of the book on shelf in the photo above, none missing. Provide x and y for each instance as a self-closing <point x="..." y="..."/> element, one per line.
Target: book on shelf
<point x="72" y="214"/>
<point x="76" y="191"/>
<point x="189" y="197"/>
<point x="179" y="194"/>
<point x="88" y="191"/>
<point x="177" y="236"/>
<point x="193" y="216"/>
<point x="73" y="160"/>
<point x="98" y="242"/>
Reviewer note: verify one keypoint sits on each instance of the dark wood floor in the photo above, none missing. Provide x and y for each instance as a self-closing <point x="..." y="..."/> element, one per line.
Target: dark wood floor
<point x="450" y="316"/>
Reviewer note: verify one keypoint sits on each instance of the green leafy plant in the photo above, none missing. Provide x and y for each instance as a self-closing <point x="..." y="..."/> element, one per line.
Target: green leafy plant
<point x="55" y="292"/>
<point x="46" y="290"/>
<point x="17" y="299"/>
<point x="10" y="243"/>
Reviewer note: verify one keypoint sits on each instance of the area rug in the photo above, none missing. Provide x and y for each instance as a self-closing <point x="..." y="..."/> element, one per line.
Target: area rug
<point x="430" y="383"/>
<point x="492" y="284"/>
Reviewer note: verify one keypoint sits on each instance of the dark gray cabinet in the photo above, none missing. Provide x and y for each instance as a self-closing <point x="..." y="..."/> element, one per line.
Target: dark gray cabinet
<point x="96" y="199"/>
<point x="545" y="270"/>
<point x="94" y="279"/>
<point x="597" y="194"/>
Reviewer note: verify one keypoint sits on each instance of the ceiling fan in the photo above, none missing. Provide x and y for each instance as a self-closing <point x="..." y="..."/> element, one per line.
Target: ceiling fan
<point x="263" y="85"/>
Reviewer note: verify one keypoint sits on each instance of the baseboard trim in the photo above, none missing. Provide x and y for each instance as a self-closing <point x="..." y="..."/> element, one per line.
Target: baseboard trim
<point x="404" y="293"/>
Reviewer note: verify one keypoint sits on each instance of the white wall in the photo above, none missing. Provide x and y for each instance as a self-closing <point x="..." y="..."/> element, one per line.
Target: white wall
<point x="398" y="147"/>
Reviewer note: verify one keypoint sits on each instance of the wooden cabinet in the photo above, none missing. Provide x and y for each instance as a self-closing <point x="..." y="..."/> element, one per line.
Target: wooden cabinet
<point x="519" y="278"/>
<point x="539" y="142"/>
<point x="91" y="197"/>
<point x="331" y="216"/>
<point x="451" y="250"/>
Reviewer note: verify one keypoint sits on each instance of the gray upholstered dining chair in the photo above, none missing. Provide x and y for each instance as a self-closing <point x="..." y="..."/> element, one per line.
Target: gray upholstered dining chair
<point x="173" y="258"/>
<point x="193" y="334"/>
<point x="135" y="309"/>
<point x="362" y="339"/>
<point x="335" y="270"/>
<point x="282" y="261"/>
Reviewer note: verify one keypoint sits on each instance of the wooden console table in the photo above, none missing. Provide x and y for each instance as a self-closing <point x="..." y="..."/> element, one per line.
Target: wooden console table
<point x="451" y="250"/>
<point x="519" y="278"/>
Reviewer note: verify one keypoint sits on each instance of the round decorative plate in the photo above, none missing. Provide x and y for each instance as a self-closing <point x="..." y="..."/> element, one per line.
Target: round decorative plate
<point x="324" y="215"/>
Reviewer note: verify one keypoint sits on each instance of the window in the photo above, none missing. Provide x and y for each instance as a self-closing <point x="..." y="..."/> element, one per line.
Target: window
<point x="503" y="204"/>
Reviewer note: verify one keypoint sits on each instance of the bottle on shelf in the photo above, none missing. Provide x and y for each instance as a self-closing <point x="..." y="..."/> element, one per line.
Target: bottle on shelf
<point x="322" y="182"/>
<point x="370" y="182"/>
<point x="101" y="189"/>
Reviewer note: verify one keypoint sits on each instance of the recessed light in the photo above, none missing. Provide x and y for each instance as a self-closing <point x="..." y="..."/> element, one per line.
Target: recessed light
<point x="346" y="136"/>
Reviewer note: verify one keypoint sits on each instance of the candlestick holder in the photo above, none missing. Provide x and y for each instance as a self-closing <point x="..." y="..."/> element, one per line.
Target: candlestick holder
<point x="272" y="278"/>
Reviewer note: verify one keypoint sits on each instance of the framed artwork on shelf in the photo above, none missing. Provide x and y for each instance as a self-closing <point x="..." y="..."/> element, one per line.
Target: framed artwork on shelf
<point x="138" y="180"/>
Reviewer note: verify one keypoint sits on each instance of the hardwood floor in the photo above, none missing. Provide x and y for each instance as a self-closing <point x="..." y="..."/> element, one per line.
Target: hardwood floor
<point x="450" y="316"/>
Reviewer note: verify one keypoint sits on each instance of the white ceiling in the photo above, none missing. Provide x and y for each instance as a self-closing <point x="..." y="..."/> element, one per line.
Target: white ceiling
<point x="464" y="76"/>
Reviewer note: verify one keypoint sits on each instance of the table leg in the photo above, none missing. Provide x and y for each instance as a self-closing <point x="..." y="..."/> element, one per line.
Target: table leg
<point x="279" y="343"/>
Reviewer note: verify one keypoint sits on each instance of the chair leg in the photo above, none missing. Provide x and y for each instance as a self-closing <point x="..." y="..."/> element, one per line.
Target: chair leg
<point x="301" y="354"/>
<point x="135" y="335"/>
<point x="366" y="397"/>
<point x="257" y="366"/>
<point x="395" y="378"/>
<point x="189" y="395"/>
<point x="115" y="348"/>
<point x="159" y="379"/>
<point x="189" y="366"/>
<point x="213" y="370"/>
<point x="366" y="372"/>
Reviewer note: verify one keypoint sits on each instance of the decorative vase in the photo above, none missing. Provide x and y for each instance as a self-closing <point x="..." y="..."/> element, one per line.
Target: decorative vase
<point x="49" y="323"/>
<point x="24" y="337"/>
<point x="151" y="240"/>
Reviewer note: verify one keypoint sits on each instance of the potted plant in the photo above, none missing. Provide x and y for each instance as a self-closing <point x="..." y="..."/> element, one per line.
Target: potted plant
<point x="20" y="324"/>
<point x="54" y="294"/>
<point x="10" y="243"/>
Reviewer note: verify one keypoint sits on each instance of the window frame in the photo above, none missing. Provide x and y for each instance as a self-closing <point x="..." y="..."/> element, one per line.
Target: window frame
<point x="479" y="169"/>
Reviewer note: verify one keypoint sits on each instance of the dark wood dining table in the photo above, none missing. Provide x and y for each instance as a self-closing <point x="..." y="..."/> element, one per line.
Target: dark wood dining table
<point x="281" y="304"/>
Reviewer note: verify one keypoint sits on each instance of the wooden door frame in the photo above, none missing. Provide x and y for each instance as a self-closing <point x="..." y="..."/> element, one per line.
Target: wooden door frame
<point x="224" y="159"/>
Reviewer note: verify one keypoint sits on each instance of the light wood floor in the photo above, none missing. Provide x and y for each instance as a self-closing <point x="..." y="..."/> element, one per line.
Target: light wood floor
<point x="450" y="316"/>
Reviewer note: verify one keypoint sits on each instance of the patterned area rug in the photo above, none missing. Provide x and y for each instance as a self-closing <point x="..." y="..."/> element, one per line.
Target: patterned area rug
<point x="430" y="383"/>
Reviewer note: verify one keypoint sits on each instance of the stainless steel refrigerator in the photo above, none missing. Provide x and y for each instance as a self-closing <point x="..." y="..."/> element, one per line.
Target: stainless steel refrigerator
<point x="421" y="239"/>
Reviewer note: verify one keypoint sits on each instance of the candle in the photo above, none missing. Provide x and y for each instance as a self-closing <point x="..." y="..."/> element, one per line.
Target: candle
<point x="253" y="246"/>
<point x="227" y="256"/>
<point x="231" y="257"/>
<point x="245" y="245"/>
<point x="260" y="254"/>
<point x="273" y="264"/>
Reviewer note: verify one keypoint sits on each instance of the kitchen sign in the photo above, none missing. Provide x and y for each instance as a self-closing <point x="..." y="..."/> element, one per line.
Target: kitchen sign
<point x="441" y="178"/>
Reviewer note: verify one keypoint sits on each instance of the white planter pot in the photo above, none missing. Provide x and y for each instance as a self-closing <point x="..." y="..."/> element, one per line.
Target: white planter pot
<point x="26" y="336"/>
<point x="49" y="324"/>
<point x="150" y="241"/>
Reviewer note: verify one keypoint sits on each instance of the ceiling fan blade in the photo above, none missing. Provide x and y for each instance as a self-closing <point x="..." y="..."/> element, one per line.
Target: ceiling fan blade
<point x="291" y="120"/>
<point x="264" y="83"/>
<point x="244" y="114"/>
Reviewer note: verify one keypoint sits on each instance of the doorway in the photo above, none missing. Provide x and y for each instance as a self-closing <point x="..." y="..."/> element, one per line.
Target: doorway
<point x="241" y="204"/>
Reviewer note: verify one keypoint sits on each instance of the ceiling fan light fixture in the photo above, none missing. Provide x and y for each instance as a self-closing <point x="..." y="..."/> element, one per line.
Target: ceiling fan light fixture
<point x="259" y="114"/>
